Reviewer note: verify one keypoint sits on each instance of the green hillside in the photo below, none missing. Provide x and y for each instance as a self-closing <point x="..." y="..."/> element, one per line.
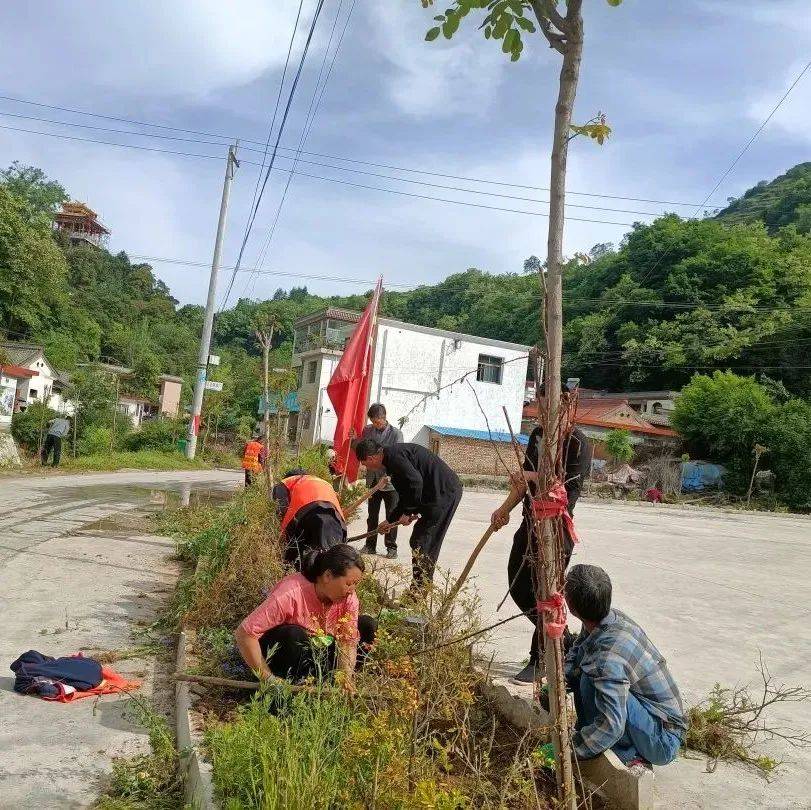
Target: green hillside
<point x="786" y="200"/>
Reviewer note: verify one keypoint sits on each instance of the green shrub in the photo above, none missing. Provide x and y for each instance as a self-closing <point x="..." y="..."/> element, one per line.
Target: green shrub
<point x="618" y="445"/>
<point x="29" y="425"/>
<point x="788" y="437"/>
<point x="156" y="434"/>
<point x="95" y="439"/>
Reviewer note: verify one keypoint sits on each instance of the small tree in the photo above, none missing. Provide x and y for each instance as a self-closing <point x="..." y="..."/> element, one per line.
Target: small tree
<point x="618" y="446"/>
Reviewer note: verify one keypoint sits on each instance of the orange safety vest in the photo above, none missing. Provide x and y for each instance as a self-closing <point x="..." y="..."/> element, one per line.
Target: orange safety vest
<point x="306" y="489"/>
<point x="250" y="456"/>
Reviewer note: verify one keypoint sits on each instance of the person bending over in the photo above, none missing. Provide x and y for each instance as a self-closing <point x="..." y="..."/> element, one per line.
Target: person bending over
<point x="309" y="624"/>
<point x="624" y="694"/>
<point x="426" y="487"/>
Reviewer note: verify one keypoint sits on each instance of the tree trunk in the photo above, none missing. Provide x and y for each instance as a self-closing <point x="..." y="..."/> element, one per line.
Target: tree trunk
<point x="552" y="326"/>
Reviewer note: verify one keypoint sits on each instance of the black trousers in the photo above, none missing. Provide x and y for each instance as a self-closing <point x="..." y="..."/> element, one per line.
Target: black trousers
<point x="520" y="577"/>
<point x="248" y="478"/>
<point x="294" y="657"/>
<point x="389" y="498"/>
<point x="52" y="443"/>
<point x="426" y="539"/>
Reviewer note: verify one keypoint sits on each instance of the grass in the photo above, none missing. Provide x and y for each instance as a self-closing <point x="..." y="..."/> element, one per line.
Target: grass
<point x="140" y="460"/>
<point x="147" y="781"/>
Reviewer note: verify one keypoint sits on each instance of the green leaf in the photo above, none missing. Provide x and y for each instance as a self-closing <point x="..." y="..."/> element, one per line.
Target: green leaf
<point x="525" y="24"/>
<point x="488" y="31"/>
<point x="510" y="39"/>
<point x="432" y="34"/>
<point x="614" y="3"/>
<point x="449" y="26"/>
<point x="440" y="18"/>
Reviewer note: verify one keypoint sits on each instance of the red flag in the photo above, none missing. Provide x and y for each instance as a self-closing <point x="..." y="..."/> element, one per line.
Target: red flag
<point x="348" y="389"/>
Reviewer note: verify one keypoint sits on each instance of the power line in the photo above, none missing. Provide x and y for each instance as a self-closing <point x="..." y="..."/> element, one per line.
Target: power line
<point x="226" y="139"/>
<point x="737" y="159"/>
<point x="451" y="288"/>
<point x="275" y="111"/>
<point x="308" y="122"/>
<point x="291" y="95"/>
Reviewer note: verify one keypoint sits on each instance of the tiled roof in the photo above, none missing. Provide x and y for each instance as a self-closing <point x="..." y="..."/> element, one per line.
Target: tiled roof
<point x="613" y="414"/>
<point x="483" y="435"/>
<point x="21" y="353"/>
<point x="17" y="371"/>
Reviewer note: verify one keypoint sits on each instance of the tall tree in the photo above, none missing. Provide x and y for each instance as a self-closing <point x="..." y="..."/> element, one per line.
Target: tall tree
<point x="42" y="196"/>
<point x="561" y="24"/>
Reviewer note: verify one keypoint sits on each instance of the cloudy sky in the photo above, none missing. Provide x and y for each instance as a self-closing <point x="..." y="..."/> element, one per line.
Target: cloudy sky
<point x="684" y="86"/>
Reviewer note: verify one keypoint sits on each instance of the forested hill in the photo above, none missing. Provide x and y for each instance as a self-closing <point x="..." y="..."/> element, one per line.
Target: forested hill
<point x="676" y="297"/>
<point x="786" y="200"/>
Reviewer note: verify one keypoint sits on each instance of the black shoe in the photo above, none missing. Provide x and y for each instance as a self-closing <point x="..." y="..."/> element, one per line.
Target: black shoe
<point x="391" y="554"/>
<point x="526" y="675"/>
<point x="367" y="549"/>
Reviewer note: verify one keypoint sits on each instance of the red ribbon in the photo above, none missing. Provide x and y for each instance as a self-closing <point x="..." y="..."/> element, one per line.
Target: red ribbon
<point x="556" y="606"/>
<point x="555" y="504"/>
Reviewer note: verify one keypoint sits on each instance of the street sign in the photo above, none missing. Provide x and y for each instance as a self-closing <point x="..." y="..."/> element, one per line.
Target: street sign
<point x="213" y="359"/>
<point x="212" y="385"/>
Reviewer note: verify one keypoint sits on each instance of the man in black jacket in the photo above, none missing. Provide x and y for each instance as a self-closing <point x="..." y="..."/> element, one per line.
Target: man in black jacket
<point x="426" y="487"/>
<point x="577" y="465"/>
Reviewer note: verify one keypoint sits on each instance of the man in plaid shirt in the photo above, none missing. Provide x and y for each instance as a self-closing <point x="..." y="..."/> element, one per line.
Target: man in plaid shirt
<point x="624" y="695"/>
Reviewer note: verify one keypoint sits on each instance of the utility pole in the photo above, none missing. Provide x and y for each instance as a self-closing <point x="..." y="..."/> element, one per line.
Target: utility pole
<point x="208" y="320"/>
<point x="265" y="339"/>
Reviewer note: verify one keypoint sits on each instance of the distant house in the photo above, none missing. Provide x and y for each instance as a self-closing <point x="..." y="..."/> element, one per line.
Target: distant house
<point x="598" y="416"/>
<point x="476" y="452"/>
<point x="44" y="385"/>
<point x="12" y="378"/>
<point x="653" y="406"/>
<point x="417" y="373"/>
<point x="80" y="224"/>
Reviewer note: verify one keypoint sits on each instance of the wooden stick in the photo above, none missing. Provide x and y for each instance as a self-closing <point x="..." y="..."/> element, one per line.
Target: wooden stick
<point x="228" y="683"/>
<point x="457" y="586"/>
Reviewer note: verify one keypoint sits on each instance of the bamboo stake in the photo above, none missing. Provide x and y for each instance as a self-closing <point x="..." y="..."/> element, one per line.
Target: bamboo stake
<point x="457" y="586"/>
<point x="228" y="683"/>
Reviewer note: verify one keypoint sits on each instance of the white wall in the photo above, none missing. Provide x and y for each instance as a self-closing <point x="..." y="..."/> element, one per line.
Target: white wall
<point x="413" y="370"/>
<point x="8" y="393"/>
<point x="409" y="367"/>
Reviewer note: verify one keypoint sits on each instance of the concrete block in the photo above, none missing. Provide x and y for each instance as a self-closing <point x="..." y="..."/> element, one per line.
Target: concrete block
<point x="9" y="455"/>
<point x="611" y="779"/>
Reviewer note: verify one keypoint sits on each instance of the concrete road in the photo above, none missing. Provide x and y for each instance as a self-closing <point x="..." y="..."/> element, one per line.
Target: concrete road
<point x="67" y="582"/>
<point x="713" y="590"/>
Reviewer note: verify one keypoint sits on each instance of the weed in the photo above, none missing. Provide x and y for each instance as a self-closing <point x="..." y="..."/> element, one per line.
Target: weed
<point x="728" y="725"/>
<point x="147" y="781"/>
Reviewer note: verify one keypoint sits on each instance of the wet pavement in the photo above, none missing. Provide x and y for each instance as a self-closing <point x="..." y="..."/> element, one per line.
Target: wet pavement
<point x="79" y="570"/>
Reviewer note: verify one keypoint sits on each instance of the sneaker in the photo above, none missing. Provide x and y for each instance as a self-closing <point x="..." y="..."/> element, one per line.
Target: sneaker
<point x="367" y="549"/>
<point x="639" y="767"/>
<point x="391" y="554"/>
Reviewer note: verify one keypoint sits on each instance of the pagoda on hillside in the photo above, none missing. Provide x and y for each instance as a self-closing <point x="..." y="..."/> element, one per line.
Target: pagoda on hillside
<point x="80" y="224"/>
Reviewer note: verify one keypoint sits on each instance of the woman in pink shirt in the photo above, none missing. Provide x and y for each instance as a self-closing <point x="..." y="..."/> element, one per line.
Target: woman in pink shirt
<point x="309" y="623"/>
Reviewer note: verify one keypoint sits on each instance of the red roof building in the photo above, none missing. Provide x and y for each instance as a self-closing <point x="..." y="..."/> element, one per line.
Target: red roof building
<point x="80" y="223"/>
<point x="600" y="415"/>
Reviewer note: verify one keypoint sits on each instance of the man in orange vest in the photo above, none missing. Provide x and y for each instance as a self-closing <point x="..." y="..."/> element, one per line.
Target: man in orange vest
<point x="253" y="458"/>
<point x="310" y="514"/>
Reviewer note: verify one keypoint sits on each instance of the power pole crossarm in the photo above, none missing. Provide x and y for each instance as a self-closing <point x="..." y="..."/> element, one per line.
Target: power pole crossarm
<point x="208" y="320"/>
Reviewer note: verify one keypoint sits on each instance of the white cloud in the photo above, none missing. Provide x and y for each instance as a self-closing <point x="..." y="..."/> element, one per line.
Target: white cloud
<point x="794" y="115"/>
<point x="182" y="48"/>
<point x="440" y="78"/>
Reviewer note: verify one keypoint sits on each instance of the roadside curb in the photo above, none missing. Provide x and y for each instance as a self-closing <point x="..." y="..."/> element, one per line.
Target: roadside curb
<point x="197" y="773"/>
<point x="605" y="773"/>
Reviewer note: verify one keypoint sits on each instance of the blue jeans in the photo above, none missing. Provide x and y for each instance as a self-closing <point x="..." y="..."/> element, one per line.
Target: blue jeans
<point x="644" y="734"/>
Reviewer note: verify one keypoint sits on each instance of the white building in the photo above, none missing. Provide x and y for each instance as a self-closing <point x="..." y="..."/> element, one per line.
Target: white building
<point x="425" y="377"/>
<point x="46" y="384"/>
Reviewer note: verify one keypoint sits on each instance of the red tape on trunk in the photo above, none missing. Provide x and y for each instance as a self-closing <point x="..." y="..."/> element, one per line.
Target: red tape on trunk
<point x="553" y="626"/>
<point x="555" y="504"/>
